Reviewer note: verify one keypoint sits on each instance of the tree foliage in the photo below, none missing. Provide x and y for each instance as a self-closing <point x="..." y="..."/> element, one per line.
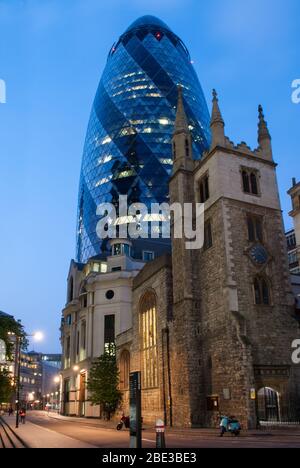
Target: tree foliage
<point x="9" y="327"/>
<point x="103" y="383"/>
<point x="6" y="388"/>
<point x="13" y="335"/>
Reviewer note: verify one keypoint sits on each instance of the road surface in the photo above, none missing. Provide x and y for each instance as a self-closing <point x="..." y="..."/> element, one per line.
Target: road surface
<point x="90" y="432"/>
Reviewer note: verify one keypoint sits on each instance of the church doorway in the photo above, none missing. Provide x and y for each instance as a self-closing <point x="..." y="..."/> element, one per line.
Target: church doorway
<point x="268" y="405"/>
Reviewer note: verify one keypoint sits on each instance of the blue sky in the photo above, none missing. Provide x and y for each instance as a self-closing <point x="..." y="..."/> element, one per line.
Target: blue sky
<point x="52" y="53"/>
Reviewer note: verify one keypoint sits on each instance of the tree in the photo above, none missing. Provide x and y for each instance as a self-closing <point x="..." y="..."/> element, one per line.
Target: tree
<point x="9" y="327"/>
<point x="6" y="388"/>
<point x="103" y="384"/>
<point x="14" y="338"/>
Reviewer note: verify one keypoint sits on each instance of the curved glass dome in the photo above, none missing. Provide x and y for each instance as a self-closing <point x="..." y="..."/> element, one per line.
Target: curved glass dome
<point x="146" y="21"/>
<point x="128" y="142"/>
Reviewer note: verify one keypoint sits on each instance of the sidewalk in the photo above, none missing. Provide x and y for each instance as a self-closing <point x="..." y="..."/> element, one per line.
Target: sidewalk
<point x="36" y="436"/>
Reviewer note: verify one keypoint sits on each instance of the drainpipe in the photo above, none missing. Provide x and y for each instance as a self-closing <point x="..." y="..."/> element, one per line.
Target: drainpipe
<point x="164" y="378"/>
<point x="166" y="331"/>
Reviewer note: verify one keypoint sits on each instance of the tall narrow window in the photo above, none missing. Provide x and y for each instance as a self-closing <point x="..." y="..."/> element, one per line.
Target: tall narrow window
<point x="148" y="341"/>
<point x="257" y="292"/>
<point x="204" y="189"/>
<point x="254" y="186"/>
<point x="202" y="196"/>
<point x="83" y="297"/>
<point x="77" y="343"/>
<point x="83" y="335"/>
<point x="261" y="291"/>
<point x="187" y="148"/>
<point x="265" y="292"/>
<point x="71" y="290"/>
<point x="124" y="370"/>
<point x="259" y="229"/>
<point x="255" y="228"/>
<point x="250" y="180"/>
<point x="246" y="182"/>
<point x="208" y="240"/>
<point x="109" y="334"/>
<point x="251" y="229"/>
<point x="68" y="347"/>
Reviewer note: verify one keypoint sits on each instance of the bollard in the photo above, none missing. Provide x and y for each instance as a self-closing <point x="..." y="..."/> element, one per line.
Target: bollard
<point x="160" y="434"/>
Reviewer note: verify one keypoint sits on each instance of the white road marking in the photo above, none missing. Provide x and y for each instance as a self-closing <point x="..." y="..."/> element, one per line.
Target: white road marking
<point x="148" y="440"/>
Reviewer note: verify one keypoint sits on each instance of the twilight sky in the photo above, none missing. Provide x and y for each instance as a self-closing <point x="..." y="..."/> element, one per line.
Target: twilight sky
<point x="52" y="54"/>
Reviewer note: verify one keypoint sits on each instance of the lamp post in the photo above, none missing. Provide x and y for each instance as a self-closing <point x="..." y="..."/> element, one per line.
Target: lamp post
<point x="38" y="336"/>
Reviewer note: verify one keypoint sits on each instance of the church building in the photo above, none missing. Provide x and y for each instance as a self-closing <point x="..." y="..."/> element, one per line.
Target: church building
<point x="212" y="329"/>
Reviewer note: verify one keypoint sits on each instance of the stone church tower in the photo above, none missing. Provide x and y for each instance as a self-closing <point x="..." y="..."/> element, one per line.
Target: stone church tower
<point x="233" y="321"/>
<point x="212" y="328"/>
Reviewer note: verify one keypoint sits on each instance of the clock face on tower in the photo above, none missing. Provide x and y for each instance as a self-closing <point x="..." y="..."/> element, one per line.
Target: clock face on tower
<point x="259" y="254"/>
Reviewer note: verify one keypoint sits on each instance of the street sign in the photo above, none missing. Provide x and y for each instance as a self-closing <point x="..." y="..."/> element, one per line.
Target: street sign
<point x="135" y="410"/>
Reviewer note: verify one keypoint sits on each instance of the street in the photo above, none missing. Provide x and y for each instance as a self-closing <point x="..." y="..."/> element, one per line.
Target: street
<point x="91" y="433"/>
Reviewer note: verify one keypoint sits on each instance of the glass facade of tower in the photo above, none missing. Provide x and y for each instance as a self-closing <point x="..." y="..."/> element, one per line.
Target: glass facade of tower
<point x="128" y="143"/>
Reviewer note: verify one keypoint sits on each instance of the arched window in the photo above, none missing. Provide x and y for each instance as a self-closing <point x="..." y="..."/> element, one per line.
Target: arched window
<point x="261" y="291"/>
<point x="246" y="182"/>
<point x="148" y="334"/>
<point x="254" y="185"/>
<point x="124" y="367"/>
<point x="187" y="148"/>
<point x="71" y="290"/>
<point x="250" y="180"/>
<point x="268" y="403"/>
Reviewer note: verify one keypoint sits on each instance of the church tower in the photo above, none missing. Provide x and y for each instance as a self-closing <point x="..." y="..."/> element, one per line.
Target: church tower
<point x="184" y="328"/>
<point x="233" y="322"/>
<point x="247" y="322"/>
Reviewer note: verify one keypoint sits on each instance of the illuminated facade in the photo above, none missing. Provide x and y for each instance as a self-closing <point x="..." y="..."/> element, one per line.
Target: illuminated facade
<point x="128" y="141"/>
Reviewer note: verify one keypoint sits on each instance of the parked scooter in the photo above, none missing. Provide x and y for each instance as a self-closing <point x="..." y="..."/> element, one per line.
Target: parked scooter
<point x="125" y="421"/>
<point x="234" y="427"/>
<point x="230" y="425"/>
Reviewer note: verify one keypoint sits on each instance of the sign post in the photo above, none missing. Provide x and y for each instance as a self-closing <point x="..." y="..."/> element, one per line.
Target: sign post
<point x="135" y="410"/>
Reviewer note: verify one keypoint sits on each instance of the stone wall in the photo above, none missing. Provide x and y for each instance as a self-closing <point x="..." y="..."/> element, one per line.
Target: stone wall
<point x="155" y="277"/>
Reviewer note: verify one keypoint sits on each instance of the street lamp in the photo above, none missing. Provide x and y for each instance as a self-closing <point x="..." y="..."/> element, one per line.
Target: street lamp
<point x="37" y="336"/>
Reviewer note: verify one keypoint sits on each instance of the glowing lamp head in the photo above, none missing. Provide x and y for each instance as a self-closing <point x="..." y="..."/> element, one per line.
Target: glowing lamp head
<point x="38" y="336"/>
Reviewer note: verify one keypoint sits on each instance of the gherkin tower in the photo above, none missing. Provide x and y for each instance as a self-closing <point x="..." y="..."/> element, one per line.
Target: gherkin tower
<point x="128" y="143"/>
